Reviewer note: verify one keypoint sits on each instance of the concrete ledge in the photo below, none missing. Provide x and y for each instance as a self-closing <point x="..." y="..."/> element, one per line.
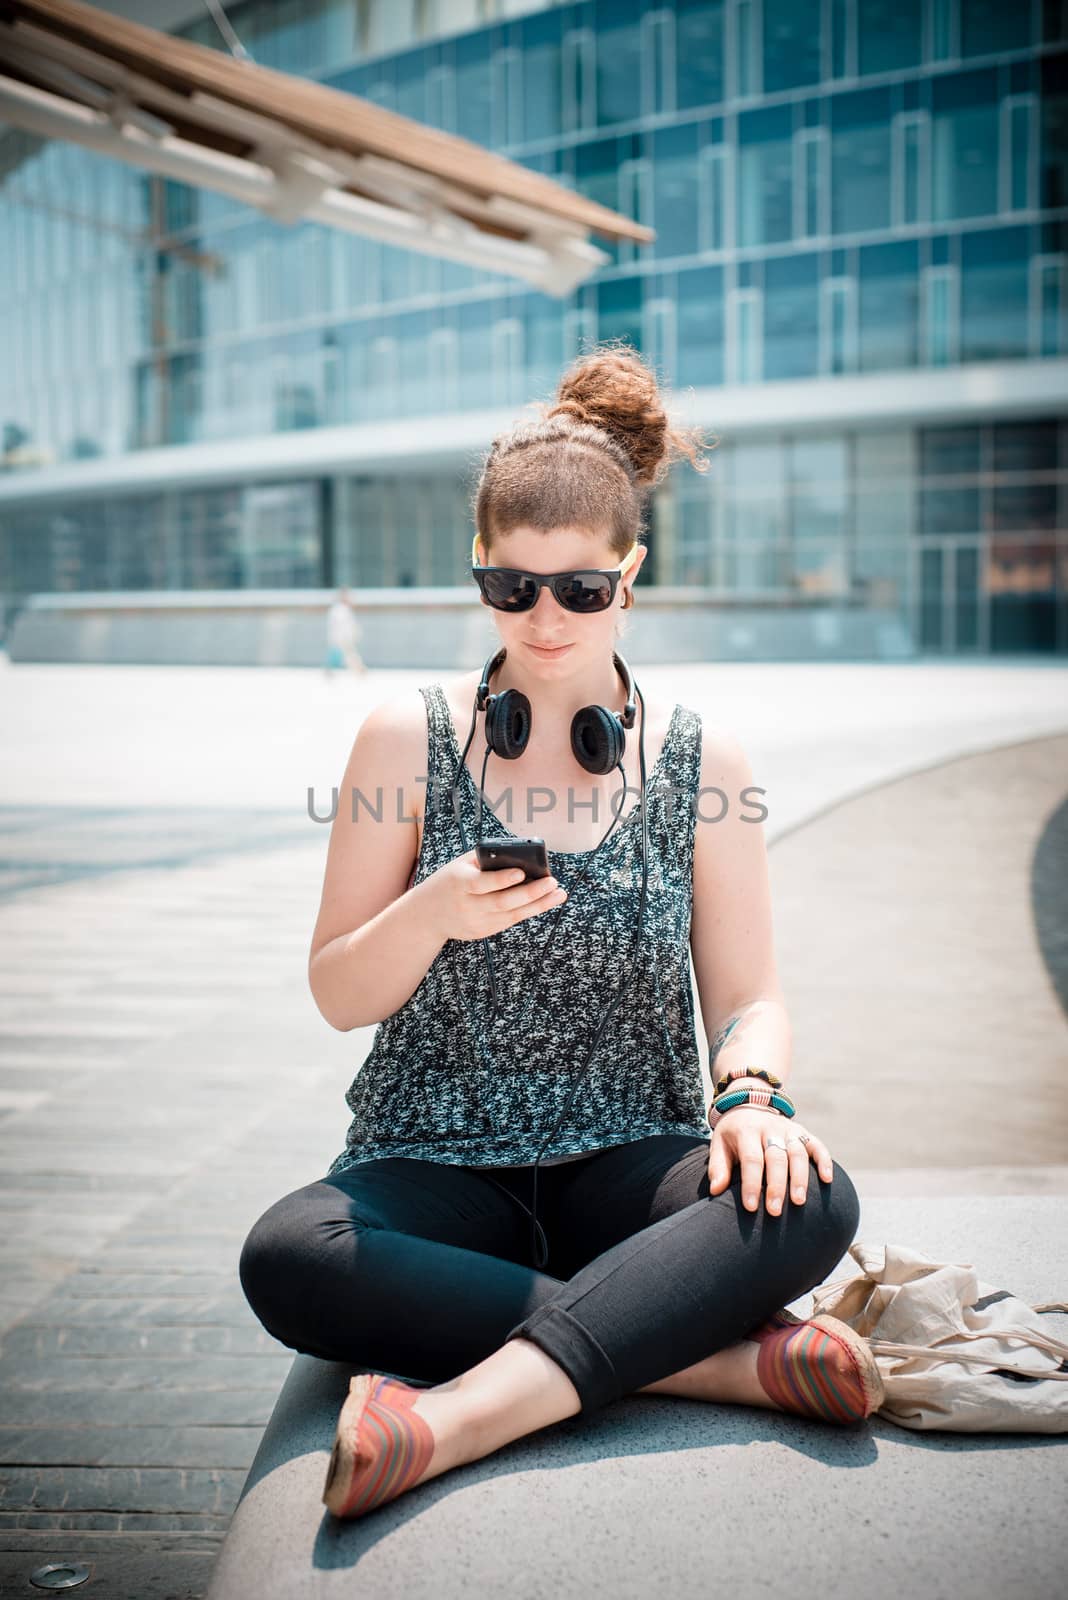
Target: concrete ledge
<point x="651" y="1497"/>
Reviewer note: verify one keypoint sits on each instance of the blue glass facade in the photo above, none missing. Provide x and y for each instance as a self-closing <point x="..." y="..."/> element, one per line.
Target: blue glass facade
<point x="841" y="189"/>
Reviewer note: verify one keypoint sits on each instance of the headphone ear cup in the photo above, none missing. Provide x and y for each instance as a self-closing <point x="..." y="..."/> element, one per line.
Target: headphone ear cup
<point x="508" y="723"/>
<point x="597" y="739"/>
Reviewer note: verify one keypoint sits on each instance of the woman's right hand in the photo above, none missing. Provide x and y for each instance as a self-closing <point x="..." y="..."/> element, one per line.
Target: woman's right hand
<point x="472" y="904"/>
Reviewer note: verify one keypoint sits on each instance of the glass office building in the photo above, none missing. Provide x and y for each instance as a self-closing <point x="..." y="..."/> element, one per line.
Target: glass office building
<point x="857" y="286"/>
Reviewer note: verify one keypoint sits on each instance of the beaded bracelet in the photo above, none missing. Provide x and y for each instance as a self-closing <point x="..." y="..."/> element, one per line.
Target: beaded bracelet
<point x="765" y="1098"/>
<point x="748" y="1072"/>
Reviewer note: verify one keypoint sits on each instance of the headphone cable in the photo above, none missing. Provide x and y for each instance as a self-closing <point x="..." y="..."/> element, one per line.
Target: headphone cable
<point x="540" y="1253"/>
<point x="541" y="1256"/>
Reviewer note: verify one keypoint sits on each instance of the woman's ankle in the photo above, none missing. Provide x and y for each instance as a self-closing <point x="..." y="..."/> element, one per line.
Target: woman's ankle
<point x="515" y="1391"/>
<point x="727" y="1377"/>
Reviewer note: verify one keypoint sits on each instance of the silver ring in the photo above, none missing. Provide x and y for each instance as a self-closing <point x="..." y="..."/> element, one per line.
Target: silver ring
<point x="774" y="1143"/>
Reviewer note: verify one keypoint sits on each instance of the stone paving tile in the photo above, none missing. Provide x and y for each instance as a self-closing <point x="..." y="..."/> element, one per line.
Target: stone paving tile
<point x="117" y="1492"/>
<point x="45" y="1343"/>
<point x="137" y="1489"/>
<point x="227" y="1307"/>
<point x="171" y="1566"/>
<point x="201" y="1373"/>
<point x="93" y="1281"/>
<point x="42" y="1522"/>
<point x="135" y="1446"/>
<point x="156" y="1407"/>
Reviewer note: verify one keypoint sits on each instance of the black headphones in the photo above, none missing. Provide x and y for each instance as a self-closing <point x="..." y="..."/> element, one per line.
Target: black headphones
<point x="598" y="741"/>
<point x="598" y="737"/>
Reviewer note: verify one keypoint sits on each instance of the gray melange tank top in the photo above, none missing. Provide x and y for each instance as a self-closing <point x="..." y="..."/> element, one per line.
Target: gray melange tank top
<point x="442" y="1083"/>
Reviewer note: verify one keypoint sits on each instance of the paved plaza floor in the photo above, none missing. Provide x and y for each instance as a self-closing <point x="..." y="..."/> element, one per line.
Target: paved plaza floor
<point x="165" y="1075"/>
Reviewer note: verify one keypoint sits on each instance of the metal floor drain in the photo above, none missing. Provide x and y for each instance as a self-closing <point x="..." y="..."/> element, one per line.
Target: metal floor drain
<point x="59" y="1575"/>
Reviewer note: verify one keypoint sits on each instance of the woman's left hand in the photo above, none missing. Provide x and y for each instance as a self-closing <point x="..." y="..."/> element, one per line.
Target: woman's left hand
<point x="743" y="1133"/>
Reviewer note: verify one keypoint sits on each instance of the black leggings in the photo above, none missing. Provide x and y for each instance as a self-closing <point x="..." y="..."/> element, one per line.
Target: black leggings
<point x="417" y="1269"/>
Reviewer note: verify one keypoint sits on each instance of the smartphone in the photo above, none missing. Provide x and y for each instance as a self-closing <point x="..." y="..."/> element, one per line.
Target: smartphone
<point x="495" y="855"/>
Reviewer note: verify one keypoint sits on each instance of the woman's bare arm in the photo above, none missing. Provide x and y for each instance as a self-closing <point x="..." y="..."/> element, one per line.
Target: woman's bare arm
<point x="375" y="939"/>
<point x="731" y="933"/>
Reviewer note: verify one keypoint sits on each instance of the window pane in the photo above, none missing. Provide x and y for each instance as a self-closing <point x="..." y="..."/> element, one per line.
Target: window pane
<point x="1020" y="153"/>
<point x="910" y="176"/>
<point x="791" y="43"/>
<point x="812" y="156"/>
<point x="765" y="178"/>
<point x="813" y="461"/>
<point x="838" y="330"/>
<point x="675" y="204"/>
<point x="1054" y="140"/>
<point x="1026" y="446"/>
<point x="754" y="494"/>
<point x="791" y="317"/>
<point x="938" y="317"/>
<point x="884" y="457"/>
<point x="1019" y="507"/>
<point x="820" y="513"/>
<point x="713" y="197"/>
<point x="948" y="452"/>
<point x="412" y="333"/>
<point x="839" y="24"/>
<point x="987" y="26"/>
<point x="410" y="83"/>
<point x="964" y="146"/>
<point x="860" y="161"/>
<point x="476" y="352"/>
<point x="743" y="46"/>
<point x="941" y="29"/>
<point x="1051" y="309"/>
<point x="619" y="310"/>
<point x="474" y="89"/>
<point x="597" y="177"/>
<point x="889" y="306"/>
<point x="543" y="344"/>
<point x="692" y="562"/>
<point x="540" y="49"/>
<point x="619" y="62"/>
<point x="698" y="52"/>
<point x="750" y="365"/>
<point x="700" y="327"/>
<point x="994" y="295"/>
<point x="1054" y="21"/>
<point x="949" y="510"/>
<point x="931" y="612"/>
<point x="888" y="34"/>
<point x="819" y="566"/>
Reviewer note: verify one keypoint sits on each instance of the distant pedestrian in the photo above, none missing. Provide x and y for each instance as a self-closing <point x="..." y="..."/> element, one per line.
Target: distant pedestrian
<point x="342" y="631"/>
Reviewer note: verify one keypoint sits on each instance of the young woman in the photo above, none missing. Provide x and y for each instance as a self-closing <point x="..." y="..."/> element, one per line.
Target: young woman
<point x="664" y="1274"/>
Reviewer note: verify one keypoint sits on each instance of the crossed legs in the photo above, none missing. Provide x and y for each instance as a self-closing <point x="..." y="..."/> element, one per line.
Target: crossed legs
<point x="416" y="1268"/>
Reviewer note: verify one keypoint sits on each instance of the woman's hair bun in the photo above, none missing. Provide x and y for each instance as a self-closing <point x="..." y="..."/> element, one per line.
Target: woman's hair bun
<point x="612" y="388"/>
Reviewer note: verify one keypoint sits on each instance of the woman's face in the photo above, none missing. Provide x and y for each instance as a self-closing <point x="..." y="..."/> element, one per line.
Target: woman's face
<point x="548" y="639"/>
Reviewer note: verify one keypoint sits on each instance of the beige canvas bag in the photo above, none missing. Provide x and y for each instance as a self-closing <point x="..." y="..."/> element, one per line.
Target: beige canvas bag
<point x="953" y="1352"/>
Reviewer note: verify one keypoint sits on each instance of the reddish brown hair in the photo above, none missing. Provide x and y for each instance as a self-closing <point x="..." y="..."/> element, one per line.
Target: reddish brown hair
<point x="591" y="458"/>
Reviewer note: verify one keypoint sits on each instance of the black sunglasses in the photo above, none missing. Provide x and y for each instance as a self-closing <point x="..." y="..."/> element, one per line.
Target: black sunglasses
<point x="583" y="591"/>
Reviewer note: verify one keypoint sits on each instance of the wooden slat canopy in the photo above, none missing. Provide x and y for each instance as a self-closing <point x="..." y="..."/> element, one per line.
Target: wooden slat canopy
<point x="291" y="146"/>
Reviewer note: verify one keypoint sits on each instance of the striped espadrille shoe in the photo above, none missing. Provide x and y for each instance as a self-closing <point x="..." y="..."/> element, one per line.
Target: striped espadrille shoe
<point x="817" y="1368"/>
<point x="382" y="1447"/>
